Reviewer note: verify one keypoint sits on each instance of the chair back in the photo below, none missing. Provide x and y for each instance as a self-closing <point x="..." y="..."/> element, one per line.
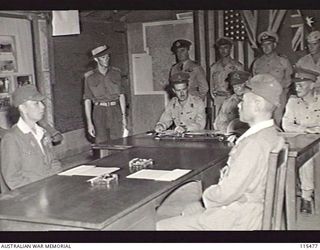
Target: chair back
<point x="275" y="188"/>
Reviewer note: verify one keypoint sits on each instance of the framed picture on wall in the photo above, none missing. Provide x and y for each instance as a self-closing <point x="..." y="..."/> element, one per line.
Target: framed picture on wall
<point x="23" y="80"/>
<point x="8" y="62"/>
<point x="5" y="83"/>
<point x="4" y="102"/>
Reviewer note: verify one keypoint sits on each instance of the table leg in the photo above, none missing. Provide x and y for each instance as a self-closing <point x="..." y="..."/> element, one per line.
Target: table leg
<point x="291" y="194"/>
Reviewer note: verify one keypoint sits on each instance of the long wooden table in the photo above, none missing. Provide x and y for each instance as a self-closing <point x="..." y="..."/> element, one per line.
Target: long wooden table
<point x="71" y="203"/>
<point x="302" y="148"/>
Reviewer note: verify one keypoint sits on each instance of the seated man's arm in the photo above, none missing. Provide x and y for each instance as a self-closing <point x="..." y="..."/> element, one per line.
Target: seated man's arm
<point x="289" y="119"/>
<point x="166" y="119"/>
<point x="11" y="162"/>
<point x="199" y="121"/>
<point x="243" y="169"/>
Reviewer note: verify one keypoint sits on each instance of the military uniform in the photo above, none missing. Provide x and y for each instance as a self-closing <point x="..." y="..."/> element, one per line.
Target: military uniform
<point x="218" y="81"/>
<point x="191" y="115"/>
<point x="277" y="66"/>
<point x="104" y="92"/>
<point x="307" y="61"/>
<point x="229" y="109"/>
<point x="237" y="201"/>
<point x="302" y="114"/>
<point x="228" y="112"/>
<point x="198" y="85"/>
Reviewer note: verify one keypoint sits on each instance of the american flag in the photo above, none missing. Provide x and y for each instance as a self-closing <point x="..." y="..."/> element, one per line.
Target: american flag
<point x="233" y="25"/>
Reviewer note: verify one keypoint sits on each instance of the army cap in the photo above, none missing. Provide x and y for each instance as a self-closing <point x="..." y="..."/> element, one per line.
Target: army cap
<point x="223" y="41"/>
<point x="313" y="36"/>
<point x="181" y="77"/>
<point x="180" y="43"/>
<point x="266" y="86"/>
<point x="302" y="75"/>
<point x="26" y="93"/>
<point x="238" y="77"/>
<point x="268" y="36"/>
<point x="100" y="51"/>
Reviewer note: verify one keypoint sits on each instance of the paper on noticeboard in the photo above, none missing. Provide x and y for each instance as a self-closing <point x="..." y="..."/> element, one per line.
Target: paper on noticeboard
<point x="65" y="23"/>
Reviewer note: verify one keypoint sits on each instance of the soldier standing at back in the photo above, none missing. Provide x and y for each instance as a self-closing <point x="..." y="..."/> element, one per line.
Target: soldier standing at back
<point x="312" y="60"/>
<point x="198" y="85"/>
<point x="277" y="66"/>
<point x="105" y="106"/>
<point x="220" y="70"/>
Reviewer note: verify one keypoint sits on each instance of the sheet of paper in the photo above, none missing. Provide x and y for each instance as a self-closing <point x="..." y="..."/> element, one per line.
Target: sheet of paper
<point x="89" y="170"/>
<point x="77" y="170"/>
<point x="173" y="175"/>
<point x="97" y="171"/>
<point x="150" y="174"/>
<point x="159" y="175"/>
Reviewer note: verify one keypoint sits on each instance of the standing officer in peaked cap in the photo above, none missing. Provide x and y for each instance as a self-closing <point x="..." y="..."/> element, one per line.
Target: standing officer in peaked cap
<point x="26" y="148"/>
<point x="311" y="61"/>
<point x="229" y="109"/>
<point x="220" y="70"/>
<point x="198" y="85"/>
<point x="278" y="66"/>
<point x="236" y="202"/>
<point x="104" y="100"/>
<point x="186" y="111"/>
<point x="303" y="116"/>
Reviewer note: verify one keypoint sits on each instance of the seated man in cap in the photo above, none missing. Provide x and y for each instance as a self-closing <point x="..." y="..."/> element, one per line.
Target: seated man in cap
<point x="303" y="116"/>
<point x="229" y="109"/>
<point x="186" y="111"/>
<point x="311" y="61"/>
<point x="198" y="84"/>
<point x="26" y="148"/>
<point x="103" y="91"/>
<point x="278" y="66"/>
<point x="221" y="69"/>
<point x="237" y="201"/>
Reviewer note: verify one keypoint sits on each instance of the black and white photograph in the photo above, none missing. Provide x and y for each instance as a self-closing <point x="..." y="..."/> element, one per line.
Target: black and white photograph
<point x="161" y="120"/>
<point x="23" y="80"/>
<point x="5" y="84"/>
<point x="6" y="44"/>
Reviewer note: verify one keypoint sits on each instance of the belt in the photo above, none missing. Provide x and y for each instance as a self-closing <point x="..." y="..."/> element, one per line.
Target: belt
<point x="106" y="104"/>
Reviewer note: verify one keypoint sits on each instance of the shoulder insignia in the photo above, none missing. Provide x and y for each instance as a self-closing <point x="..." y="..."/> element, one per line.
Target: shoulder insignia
<point x="89" y="73"/>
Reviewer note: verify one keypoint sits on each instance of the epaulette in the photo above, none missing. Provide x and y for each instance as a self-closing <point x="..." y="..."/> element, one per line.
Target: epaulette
<point x="89" y="73"/>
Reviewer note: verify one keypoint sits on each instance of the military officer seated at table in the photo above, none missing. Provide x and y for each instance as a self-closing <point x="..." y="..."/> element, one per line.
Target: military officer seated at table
<point x="186" y="111"/>
<point x="229" y="109"/>
<point x="237" y="201"/>
<point x="302" y="115"/>
<point x="26" y="148"/>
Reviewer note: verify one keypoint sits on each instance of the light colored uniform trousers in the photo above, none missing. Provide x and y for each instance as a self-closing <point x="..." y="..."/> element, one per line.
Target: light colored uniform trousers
<point x="306" y="174"/>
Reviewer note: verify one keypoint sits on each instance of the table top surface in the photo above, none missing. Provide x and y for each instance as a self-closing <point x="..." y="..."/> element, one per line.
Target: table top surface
<point x="71" y="201"/>
<point x="300" y="143"/>
<point x="145" y="140"/>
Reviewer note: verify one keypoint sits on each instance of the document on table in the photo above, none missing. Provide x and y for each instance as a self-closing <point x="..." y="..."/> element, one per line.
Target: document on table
<point x="89" y="170"/>
<point x="159" y="175"/>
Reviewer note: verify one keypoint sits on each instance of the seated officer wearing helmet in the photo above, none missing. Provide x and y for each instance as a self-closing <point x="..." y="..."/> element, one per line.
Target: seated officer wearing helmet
<point x="186" y="111"/>
<point x="277" y="66"/>
<point x="229" y="109"/>
<point x="26" y="148"/>
<point x="198" y="85"/>
<point x="237" y="201"/>
<point x="303" y="116"/>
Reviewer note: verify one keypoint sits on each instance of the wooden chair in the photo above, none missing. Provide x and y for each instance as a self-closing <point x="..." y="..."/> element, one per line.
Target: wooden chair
<point x="275" y="189"/>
